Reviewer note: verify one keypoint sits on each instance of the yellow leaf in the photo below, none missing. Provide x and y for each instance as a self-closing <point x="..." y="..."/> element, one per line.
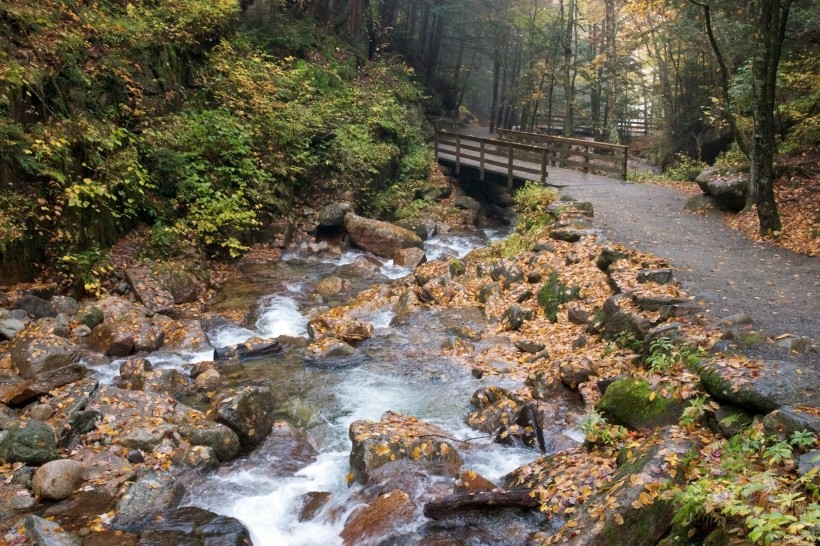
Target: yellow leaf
<point x="619" y="519"/>
<point x="651" y="396"/>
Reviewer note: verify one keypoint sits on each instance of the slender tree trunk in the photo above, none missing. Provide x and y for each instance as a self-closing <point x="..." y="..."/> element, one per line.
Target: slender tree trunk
<point x="496" y="77"/>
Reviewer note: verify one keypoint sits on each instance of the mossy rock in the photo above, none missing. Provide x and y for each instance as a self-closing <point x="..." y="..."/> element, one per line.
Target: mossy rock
<point x="634" y="404"/>
<point x="31" y="442"/>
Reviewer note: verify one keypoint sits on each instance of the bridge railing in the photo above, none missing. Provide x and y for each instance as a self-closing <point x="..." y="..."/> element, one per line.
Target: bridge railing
<point x="576" y="153"/>
<point x="505" y="157"/>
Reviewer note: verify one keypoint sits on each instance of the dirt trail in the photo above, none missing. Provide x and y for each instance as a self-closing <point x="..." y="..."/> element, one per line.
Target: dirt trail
<point x="723" y="269"/>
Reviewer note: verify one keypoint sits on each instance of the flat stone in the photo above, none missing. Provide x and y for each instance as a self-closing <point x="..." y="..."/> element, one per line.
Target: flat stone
<point x="148" y="496"/>
<point x="42" y="532"/>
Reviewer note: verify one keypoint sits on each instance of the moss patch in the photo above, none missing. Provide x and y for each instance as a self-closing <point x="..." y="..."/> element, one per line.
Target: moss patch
<point x="634" y="404"/>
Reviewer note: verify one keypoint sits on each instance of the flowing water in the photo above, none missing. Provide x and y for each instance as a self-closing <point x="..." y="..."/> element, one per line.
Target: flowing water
<point x="394" y="370"/>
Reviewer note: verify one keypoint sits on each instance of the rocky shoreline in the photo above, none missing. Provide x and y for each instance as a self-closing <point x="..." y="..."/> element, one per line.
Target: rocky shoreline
<point x="570" y="320"/>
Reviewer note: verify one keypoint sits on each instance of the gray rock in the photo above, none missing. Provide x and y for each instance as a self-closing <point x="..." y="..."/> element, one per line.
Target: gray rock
<point x="248" y="412"/>
<point x="183" y="285"/>
<point x="65" y="305"/>
<point x="35" y="307"/>
<point x="515" y="316"/>
<point x="609" y="256"/>
<point x="380" y="238"/>
<point x="739" y="319"/>
<point x="58" y="479"/>
<point x="627" y="402"/>
<point x="125" y="334"/>
<point x="18" y="314"/>
<point x="200" y="458"/>
<point x="778" y="383"/>
<point x="808" y="462"/>
<point x="700" y="203"/>
<point x="218" y="437"/>
<point x="41" y="412"/>
<point x="31" y="442"/>
<point x="150" y="495"/>
<point x="145" y="438"/>
<point x="42" y="532"/>
<point x="659" y="276"/>
<point x="35" y="352"/>
<point x="149" y="290"/>
<point x="193" y="526"/>
<point x="47" y="381"/>
<point x="507" y="273"/>
<point x="730" y="192"/>
<point x="617" y="320"/>
<point x="90" y="316"/>
<point x="10" y="327"/>
<point x="570" y="234"/>
<point x="528" y="346"/>
<point x="467" y="203"/>
<point x="333" y="215"/>
<point x="410" y="258"/>
<point x="730" y="420"/>
<point x="577" y="315"/>
<point x="787" y="420"/>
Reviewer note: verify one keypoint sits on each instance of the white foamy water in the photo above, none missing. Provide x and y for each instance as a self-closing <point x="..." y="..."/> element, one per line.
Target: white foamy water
<point x="281" y="318"/>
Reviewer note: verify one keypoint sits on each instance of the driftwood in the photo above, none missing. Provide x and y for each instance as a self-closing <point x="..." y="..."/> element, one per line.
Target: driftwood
<point x="253" y="348"/>
<point x="498" y="498"/>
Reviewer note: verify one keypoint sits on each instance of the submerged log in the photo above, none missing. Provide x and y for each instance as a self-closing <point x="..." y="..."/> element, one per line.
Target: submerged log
<point x="484" y="500"/>
<point x="253" y="348"/>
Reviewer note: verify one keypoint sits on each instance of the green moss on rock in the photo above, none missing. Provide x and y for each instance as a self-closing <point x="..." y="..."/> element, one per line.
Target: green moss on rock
<point x="627" y="402"/>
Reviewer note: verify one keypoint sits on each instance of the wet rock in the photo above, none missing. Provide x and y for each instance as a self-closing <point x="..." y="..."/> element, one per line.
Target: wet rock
<point x="42" y="532"/>
<point x="10" y="327"/>
<point x="33" y="353"/>
<point x="184" y="335"/>
<point x="629" y="402"/>
<point x="574" y="371"/>
<point x="469" y="481"/>
<point x="31" y="442"/>
<point x="200" y="458"/>
<point x="248" y="412"/>
<point x="494" y="407"/>
<point x="35" y="307"/>
<point x="379" y="521"/>
<point x="194" y="526"/>
<point x="253" y="348"/>
<point x="220" y="438"/>
<point x="135" y="456"/>
<point x="22" y="501"/>
<point x="311" y="503"/>
<point x="151" y="494"/>
<point x="347" y="329"/>
<point x="208" y="380"/>
<point x="45" y="382"/>
<point x="418" y="226"/>
<point x="729" y="420"/>
<point x="380" y="238"/>
<point x="410" y="258"/>
<point x="405" y="305"/>
<point x="89" y="315"/>
<point x="570" y="234"/>
<point x="764" y="387"/>
<point x="487" y="292"/>
<point x="149" y="290"/>
<point x="183" y="285"/>
<point x="145" y="438"/>
<point x="333" y="215"/>
<point x="125" y="334"/>
<point x="333" y="286"/>
<point x="58" y="479"/>
<point x="658" y="276"/>
<point x="329" y="349"/>
<point x="526" y="431"/>
<point x="396" y="437"/>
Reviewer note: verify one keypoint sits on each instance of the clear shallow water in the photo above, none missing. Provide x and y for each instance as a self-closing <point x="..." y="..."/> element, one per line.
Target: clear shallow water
<point x="396" y="372"/>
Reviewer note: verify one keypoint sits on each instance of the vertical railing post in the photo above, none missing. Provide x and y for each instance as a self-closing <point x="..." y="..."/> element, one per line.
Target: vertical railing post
<point x="458" y="153"/>
<point x="481" y="161"/>
<point x="626" y="162"/>
<point x="510" y="167"/>
<point x="437" y="143"/>
<point x="544" y="166"/>
<point x="586" y="160"/>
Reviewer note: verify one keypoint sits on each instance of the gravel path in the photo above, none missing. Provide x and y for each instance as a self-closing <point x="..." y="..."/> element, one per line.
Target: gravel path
<point x="724" y="270"/>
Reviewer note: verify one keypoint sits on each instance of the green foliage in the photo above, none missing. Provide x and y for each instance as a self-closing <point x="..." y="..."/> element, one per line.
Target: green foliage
<point x="600" y="433"/>
<point x="83" y="272"/>
<point x="685" y="169"/>
<point x="755" y="491"/>
<point x="664" y="355"/>
<point x="531" y="204"/>
<point x="553" y="294"/>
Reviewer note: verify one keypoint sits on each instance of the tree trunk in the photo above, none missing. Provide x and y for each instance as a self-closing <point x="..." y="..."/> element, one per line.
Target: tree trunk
<point x="771" y="29"/>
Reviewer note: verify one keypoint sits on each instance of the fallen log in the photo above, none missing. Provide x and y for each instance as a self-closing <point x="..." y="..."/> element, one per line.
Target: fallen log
<point x="253" y="348"/>
<point x="483" y="500"/>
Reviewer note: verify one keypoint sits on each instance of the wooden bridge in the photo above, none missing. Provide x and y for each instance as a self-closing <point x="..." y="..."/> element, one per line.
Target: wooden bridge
<point x="524" y="156"/>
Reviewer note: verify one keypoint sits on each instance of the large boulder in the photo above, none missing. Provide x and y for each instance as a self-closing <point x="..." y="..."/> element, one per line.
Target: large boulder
<point x="194" y="526"/>
<point x="761" y="386"/>
<point x="410" y="258"/>
<point x="43" y="384"/>
<point x="31" y="442"/>
<point x="494" y="407"/>
<point x="381" y="521"/>
<point x="216" y="436"/>
<point x="182" y="284"/>
<point x="729" y="192"/>
<point x="248" y="412"/>
<point x="35" y="352"/>
<point x="380" y="238"/>
<point x="149" y="290"/>
<point x="345" y="328"/>
<point x="58" y="479"/>
<point x="130" y="332"/>
<point x="634" y="403"/>
<point x="396" y="437"/>
<point x="35" y="307"/>
<point x="150" y="495"/>
<point x="10" y="327"/>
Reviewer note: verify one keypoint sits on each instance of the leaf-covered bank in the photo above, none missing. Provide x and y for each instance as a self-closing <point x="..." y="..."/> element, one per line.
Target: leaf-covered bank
<point x="178" y="116"/>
